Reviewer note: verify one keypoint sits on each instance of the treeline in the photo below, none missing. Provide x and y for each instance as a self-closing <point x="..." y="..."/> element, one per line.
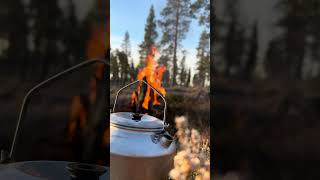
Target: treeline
<point x="292" y="53"/>
<point x="38" y="38"/>
<point x="173" y="25"/>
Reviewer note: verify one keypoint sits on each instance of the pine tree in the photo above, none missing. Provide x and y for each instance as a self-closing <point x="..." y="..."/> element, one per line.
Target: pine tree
<point x="252" y="56"/>
<point x="195" y="80"/>
<point x="294" y="22"/>
<point x="164" y="60"/>
<point x="124" y="66"/>
<point x="47" y="18"/>
<point x="234" y="40"/>
<point x="188" y="80"/>
<point x="133" y="71"/>
<point x="114" y="67"/>
<point x="73" y="39"/>
<point x="150" y="36"/>
<point x="126" y="47"/>
<point x="275" y="59"/>
<point x="203" y="55"/>
<point x="314" y="25"/>
<point x="201" y="11"/>
<point x="123" y="57"/>
<point x="175" y="23"/>
<point x="17" y="51"/>
<point x="217" y="28"/>
<point x="183" y="71"/>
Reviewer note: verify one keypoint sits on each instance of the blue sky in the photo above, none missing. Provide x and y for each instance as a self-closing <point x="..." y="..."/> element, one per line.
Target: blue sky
<point x="131" y="15"/>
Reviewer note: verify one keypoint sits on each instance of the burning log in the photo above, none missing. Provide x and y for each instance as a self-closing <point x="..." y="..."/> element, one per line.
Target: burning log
<point x="85" y="130"/>
<point x="144" y="100"/>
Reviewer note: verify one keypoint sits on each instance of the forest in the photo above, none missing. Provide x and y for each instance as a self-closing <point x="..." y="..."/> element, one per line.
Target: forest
<point x="37" y="40"/>
<point x="41" y="38"/>
<point x="266" y="95"/>
<point x="166" y="34"/>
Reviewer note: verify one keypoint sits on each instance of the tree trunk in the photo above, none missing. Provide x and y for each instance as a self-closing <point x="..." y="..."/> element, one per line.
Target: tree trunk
<point x="175" y="68"/>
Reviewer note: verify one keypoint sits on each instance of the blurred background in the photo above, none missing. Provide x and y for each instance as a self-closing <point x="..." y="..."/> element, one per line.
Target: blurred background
<point x="266" y="89"/>
<point x="37" y="40"/>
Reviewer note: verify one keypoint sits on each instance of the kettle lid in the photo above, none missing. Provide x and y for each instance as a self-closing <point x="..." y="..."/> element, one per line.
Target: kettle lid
<point x="136" y="121"/>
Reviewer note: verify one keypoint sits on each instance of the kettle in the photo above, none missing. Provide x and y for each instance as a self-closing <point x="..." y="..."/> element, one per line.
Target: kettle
<point x="140" y="146"/>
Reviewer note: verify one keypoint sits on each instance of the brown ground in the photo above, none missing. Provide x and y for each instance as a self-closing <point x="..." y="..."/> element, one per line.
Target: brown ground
<point x="267" y="129"/>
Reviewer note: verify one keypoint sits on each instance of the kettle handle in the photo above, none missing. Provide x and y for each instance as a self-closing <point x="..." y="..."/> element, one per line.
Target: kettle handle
<point x="25" y="102"/>
<point x="164" y="100"/>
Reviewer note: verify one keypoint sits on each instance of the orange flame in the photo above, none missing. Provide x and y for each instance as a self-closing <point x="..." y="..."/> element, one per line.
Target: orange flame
<point x="153" y="74"/>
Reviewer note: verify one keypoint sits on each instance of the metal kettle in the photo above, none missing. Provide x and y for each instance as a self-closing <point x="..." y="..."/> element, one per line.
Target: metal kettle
<point x="140" y="147"/>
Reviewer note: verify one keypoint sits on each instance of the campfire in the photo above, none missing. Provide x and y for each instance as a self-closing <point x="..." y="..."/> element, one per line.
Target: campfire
<point x="144" y="99"/>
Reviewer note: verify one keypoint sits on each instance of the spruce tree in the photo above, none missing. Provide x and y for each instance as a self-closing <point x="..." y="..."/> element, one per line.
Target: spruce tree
<point x="188" y="80"/>
<point x="133" y="71"/>
<point x="126" y="46"/>
<point x="195" y="80"/>
<point x="114" y="67"/>
<point x="47" y="18"/>
<point x="165" y="60"/>
<point x="124" y="66"/>
<point x="73" y="41"/>
<point x="234" y="43"/>
<point x="150" y="36"/>
<point x="275" y="60"/>
<point x="294" y="22"/>
<point x="183" y="71"/>
<point x="203" y="55"/>
<point x="252" y="56"/>
<point x="314" y="26"/>
<point x="17" y="28"/>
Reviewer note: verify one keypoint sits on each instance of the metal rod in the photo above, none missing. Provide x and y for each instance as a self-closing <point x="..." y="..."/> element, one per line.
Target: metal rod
<point x="164" y="100"/>
<point x="40" y="85"/>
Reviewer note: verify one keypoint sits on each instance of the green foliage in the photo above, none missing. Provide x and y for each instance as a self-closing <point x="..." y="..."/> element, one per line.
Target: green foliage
<point x="74" y="51"/>
<point x="133" y="72"/>
<point x="188" y="79"/>
<point x="47" y="20"/>
<point x="275" y="61"/>
<point x="203" y="55"/>
<point x="123" y="66"/>
<point x="150" y="36"/>
<point x="17" y="29"/>
<point x="201" y="11"/>
<point x="120" y="69"/>
<point x="165" y="60"/>
<point x="126" y="47"/>
<point x="294" y="22"/>
<point x="183" y="71"/>
<point x="43" y="38"/>
<point x="230" y="41"/>
<point x="176" y="18"/>
<point x="114" y="67"/>
<point x="253" y="50"/>
<point x="234" y="48"/>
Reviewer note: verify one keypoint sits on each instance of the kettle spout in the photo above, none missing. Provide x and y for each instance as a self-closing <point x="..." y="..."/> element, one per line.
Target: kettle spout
<point x="166" y="140"/>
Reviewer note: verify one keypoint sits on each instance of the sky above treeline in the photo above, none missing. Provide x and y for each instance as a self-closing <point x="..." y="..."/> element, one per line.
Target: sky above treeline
<point x="262" y="12"/>
<point x="131" y="16"/>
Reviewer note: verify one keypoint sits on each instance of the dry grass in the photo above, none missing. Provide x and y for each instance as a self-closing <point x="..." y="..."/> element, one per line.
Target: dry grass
<point x="193" y="159"/>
